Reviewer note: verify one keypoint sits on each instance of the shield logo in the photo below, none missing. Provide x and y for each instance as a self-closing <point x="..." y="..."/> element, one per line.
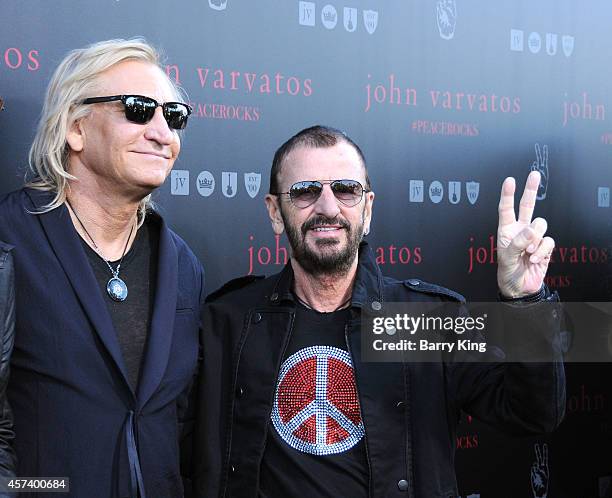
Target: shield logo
<point x="568" y="45"/>
<point x="551" y="43"/>
<point x="252" y="182"/>
<point x="454" y="192"/>
<point x="229" y="183"/>
<point x="217" y="4"/>
<point x="472" y="189"/>
<point x="370" y="20"/>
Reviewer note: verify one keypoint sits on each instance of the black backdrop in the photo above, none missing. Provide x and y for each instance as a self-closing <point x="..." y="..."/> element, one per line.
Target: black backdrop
<point x="445" y="97"/>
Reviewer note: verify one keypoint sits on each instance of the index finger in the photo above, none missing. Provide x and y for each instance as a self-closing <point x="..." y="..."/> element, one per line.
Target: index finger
<point x="506" y="202"/>
<point x="538" y="454"/>
<point x="528" y="200"/>
<point x="538" y="154"/>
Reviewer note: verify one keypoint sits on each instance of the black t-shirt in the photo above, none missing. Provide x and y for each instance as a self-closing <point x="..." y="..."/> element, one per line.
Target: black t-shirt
<point x="132" y="317"/>
<point x="315" y="445"/>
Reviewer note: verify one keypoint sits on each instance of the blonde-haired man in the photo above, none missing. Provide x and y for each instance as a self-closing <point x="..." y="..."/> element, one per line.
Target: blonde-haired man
<point x="106" y="342"/>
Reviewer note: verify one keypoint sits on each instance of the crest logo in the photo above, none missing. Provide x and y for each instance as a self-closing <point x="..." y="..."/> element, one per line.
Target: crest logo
<point x="229" y="183"/>
<point x="454" y="192"/>
<point x="252" y="182"/>
<point x="217" y="4"/>
<point x="205" y="183"/>
<point x="350" y="19"/>
<point x="446" y="14"/>
<point x="472" y="189"/>
<point x="534" y="42"/>
<point x="436" y="192"/>
<point x="551" y="43"/>
<point x="370" y="20"/>
<point x="329" y="16"/>
<point x="568" y="45"/>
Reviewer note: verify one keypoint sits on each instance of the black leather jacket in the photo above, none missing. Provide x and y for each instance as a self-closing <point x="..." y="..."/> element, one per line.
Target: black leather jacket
<point x="410" y="410"/>
<point x="7" y="336"/>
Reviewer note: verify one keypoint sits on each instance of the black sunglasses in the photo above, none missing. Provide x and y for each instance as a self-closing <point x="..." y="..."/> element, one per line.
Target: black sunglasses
<point x="306" y="193"/>
<point x="140" y="109"/>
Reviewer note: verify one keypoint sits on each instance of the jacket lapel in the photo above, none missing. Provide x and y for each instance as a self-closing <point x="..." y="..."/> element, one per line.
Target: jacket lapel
<point x="66" y="245"/>
<point x="162" y="322"/>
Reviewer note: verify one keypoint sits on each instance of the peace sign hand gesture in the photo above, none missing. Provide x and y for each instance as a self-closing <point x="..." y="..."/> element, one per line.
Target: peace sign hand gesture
<point x="540" y="473"/>
<point x="523" y="253"/>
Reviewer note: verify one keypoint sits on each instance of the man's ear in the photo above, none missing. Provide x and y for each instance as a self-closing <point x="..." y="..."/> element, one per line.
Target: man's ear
<point x="76" y="136"/>
<point x="367" y="211"/>
<point x="273" y="206"/>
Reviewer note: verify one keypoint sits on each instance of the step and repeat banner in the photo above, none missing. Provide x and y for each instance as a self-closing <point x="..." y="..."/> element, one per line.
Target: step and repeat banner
<point x="446" y="99"/>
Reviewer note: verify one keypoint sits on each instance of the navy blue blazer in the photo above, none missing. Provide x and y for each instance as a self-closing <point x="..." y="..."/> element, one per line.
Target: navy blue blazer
<point x="75" y="412"/>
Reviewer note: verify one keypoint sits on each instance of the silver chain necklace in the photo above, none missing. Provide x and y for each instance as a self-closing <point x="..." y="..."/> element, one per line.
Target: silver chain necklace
<point x="115" y="287"/>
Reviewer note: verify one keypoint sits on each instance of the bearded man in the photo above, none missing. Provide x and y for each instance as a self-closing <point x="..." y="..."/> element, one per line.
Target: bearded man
<point x="288" y="407"/>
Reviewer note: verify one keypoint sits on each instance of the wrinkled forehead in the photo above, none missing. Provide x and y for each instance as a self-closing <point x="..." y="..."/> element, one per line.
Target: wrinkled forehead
<point x="137" y="78"/>
<point x="340" y="161"/>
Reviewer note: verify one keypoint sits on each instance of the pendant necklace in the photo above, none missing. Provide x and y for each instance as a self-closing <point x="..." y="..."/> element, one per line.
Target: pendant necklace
<point x="115" y="287"/>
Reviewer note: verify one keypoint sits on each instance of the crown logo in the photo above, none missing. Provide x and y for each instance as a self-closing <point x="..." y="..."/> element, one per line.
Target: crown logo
<point x="205" y="183"/>
<point x="436" y="191"/>
<point x="329" y="16"/>
<point x="217" y="4"/>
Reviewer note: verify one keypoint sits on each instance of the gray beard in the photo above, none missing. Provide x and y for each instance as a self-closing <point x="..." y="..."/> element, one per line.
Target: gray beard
<point x="317" y="264"/>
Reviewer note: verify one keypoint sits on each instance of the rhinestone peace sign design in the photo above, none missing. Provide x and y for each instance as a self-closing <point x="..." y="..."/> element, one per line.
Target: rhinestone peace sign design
<point x="316" y="408"/>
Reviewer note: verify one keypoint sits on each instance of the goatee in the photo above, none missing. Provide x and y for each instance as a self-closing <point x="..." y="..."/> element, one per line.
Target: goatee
<point x="324" y="262"/>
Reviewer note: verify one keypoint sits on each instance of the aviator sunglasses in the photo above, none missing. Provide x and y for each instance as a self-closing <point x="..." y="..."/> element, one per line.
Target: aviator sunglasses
<point x="303" y="194"/>
<point x="140" y="109"/>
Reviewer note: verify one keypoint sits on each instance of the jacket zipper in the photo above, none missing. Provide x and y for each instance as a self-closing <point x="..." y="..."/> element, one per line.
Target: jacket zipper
<point x="348" y="346"/>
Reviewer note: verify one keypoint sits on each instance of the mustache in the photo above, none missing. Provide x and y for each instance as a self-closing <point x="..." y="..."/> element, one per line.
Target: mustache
<point x="322" y="221"/>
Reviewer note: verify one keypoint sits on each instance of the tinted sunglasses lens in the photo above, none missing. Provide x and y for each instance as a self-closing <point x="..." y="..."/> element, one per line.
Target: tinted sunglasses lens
<point x="139" y="109"/>
<point x="176" y="115"/>
<point x="303" y="194"/>
<point x="349" y="192"/>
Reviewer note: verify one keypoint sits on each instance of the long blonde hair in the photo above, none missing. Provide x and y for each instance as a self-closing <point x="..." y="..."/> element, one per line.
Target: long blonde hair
<point x="71" y="83"/>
